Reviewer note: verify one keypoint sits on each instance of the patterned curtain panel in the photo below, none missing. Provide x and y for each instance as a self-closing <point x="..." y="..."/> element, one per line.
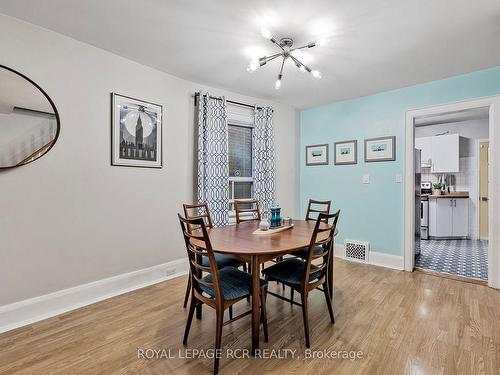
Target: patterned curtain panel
<point x="213" y="167"/>
<point x="264" y="158"/>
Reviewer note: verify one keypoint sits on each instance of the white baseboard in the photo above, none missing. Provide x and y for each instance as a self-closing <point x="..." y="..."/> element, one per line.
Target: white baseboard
<point x="375" y="258"/>
<point x="32" y="310"/>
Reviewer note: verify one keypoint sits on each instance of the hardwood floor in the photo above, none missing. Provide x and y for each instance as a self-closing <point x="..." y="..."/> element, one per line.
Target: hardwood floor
<point x="403" y="323"/>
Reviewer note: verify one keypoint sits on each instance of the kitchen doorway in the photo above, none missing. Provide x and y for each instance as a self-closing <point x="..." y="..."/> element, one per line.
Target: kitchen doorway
<point x="457" y="233"/>
<point x="446" y="164"/>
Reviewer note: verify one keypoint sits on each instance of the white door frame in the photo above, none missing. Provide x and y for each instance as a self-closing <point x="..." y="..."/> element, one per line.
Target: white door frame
<point x="493" y="103"/>
<point x="477" y="200"/>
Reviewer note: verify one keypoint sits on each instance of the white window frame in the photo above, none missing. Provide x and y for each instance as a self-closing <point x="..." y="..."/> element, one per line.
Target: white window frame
<point x="232" y="180"/>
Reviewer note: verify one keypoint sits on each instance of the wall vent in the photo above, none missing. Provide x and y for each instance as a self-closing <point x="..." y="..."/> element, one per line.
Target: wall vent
<point x="356" y="250"/>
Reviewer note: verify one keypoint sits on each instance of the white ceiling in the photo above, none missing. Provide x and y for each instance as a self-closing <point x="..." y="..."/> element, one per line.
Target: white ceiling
<point x="453" y="117"/>
<point x="374" y="45"/>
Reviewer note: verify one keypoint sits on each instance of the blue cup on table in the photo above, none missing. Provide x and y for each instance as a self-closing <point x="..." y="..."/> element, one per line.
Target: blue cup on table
<point x="275" y="216"/>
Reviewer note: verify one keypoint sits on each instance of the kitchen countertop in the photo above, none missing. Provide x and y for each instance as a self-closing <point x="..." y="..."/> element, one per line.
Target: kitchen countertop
<point x="454" y="194"/>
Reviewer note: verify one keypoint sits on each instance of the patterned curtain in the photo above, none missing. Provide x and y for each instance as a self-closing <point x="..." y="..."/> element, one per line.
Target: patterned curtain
<point x="264" y="159"/>
<point x="213" y="169"/>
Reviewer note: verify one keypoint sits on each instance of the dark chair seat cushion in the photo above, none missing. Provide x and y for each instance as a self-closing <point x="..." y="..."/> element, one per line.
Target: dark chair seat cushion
<point x="304" y="252"/>
<point x="234" y="283"/>
<point x="291" y="271"/>
<point x="222" y="261"/>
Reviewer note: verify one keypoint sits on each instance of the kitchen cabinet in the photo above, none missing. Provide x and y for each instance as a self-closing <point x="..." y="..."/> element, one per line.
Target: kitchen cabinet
<point x="460" y="217"/>
<point x="442" y="152"/>
<point x="445" y="154"/>
<point x="425" y="145"/>
<point x="448" y="217"/>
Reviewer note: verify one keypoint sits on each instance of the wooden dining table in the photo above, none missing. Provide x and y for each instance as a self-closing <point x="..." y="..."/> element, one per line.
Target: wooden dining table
<point x="240" y="242"/>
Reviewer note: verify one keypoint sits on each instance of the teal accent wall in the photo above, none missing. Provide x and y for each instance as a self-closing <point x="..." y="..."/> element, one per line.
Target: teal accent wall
<point x="374" y="212"/>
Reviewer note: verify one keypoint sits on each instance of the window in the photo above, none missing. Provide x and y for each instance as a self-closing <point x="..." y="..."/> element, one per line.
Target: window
<point x="240" y="163"/>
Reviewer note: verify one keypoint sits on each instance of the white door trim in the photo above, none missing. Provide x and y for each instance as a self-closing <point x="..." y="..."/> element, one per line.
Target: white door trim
<point x="477" y="201"/>
<point x="493" y="103"/>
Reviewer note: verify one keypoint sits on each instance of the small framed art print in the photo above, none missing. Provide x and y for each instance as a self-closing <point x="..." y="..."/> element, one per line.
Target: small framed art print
<point x="346" y="152"/>
<point x="317" y="155"/>
<point x="136" y="132"/>
<point x="380" y="149"/>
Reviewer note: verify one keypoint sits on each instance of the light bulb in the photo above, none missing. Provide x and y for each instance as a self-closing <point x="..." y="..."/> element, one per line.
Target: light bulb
<point x="277" y="85"/>
<point x="322" y="42"/>
<point x="302" y="68"/>
<point x="316" y="74"/>
<point x="252" y="67"/>
<point x="265" y="33"/>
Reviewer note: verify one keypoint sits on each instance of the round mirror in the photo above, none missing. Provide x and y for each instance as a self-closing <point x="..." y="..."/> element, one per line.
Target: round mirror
<point x="29" y="122"/>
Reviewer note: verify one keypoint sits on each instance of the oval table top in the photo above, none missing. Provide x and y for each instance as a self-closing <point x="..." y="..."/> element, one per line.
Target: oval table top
<point x="239" y="238"/>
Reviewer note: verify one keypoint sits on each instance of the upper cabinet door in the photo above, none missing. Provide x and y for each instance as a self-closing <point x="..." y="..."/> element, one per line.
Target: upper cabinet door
<point x="425" y="144"/>
<point x="445" y="154"/>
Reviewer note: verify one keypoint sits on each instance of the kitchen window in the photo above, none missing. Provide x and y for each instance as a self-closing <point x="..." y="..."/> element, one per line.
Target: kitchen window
<point x="240" y="163"/>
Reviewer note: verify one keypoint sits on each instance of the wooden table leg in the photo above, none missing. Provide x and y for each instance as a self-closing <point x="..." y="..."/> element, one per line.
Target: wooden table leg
<point x="255" y="302"/>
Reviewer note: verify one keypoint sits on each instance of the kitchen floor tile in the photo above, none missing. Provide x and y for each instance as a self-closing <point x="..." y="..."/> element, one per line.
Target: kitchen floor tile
<point x="468" y="258"/>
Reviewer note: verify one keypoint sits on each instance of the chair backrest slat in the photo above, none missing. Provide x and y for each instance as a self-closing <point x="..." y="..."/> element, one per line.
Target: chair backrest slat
<point x="196" y="211"/>
<point x="200" y="267"/>
<point x="201" y="281"/>
<point x="240" y="208"/>
<point x="312" y="208"/>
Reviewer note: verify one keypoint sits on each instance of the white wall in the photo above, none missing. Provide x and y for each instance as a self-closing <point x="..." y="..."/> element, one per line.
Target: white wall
<point x="71" y="218"/>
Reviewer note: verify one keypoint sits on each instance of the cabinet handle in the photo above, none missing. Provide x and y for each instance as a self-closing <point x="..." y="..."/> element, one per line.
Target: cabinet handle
<point x="455" y="205"/>
<point x="451" y="202"/>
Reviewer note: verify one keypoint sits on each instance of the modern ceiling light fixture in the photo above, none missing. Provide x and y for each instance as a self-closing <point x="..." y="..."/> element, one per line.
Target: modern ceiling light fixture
<point x="287" y="52"/>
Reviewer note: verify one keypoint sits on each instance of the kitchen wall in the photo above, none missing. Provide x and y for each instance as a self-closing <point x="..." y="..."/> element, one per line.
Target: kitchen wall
<point x="71" y="218"/>
<point x="374" y="212"/>
<point x="468" y="177"/>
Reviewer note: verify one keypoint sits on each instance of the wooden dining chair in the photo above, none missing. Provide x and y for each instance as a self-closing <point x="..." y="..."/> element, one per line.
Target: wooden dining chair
<point x="314" y="207"/>
<point x="220" y="288"/>
<point x="303" y="275"/>
<point x="244" y="207"/>
<point x="197" y="211"/>
<point x="318" y="207"/>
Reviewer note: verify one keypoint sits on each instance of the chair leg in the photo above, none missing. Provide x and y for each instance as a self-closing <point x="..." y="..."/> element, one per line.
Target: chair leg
<point x="192" y="307"/>
<point x="263" y="313"/>
<point x="188" y="291"/>
<point x="326" y="291"/>
<point x="231" y="312"/>
<point x="303" y="296"/>
<point x="291" y="295"/>
<point x="218" y="337"/>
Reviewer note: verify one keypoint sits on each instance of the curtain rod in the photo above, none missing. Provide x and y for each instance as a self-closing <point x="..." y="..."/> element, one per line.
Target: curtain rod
<point x="229" y="101"/>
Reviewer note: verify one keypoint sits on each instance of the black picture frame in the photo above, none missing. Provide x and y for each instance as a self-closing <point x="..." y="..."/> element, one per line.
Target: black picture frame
<point x="115" y="160"/>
